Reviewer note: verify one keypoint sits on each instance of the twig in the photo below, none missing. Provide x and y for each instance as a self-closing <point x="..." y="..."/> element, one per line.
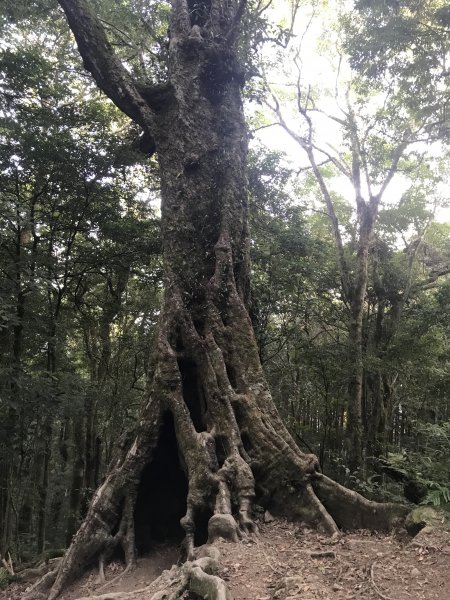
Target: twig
<point x="117" y="578"/>
<point x="323" y="554"/>
<point x="265" y="555"/>
<point x="374" y="585"/>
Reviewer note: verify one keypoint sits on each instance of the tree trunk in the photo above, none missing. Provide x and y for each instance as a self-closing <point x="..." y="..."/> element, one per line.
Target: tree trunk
<point x="7" y="458"/>
<point x="366" y="218"/>
<point x="209" y="412"/>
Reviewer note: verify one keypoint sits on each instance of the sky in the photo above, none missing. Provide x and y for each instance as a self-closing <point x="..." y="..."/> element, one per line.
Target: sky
<point x="319" y="68"/>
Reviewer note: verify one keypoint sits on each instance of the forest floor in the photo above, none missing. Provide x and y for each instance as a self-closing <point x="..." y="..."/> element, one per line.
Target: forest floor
<point x="288" y="562"/>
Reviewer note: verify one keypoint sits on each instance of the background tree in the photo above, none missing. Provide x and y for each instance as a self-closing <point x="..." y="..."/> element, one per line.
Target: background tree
<point x="67" y="221"/>
<point x="376" y="137"/>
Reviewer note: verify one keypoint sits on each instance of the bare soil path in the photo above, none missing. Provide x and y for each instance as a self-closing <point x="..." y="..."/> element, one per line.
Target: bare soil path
<point x="288" y="562"/>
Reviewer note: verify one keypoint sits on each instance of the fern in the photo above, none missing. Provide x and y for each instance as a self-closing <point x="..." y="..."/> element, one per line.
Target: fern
<point x="438" y="496"/>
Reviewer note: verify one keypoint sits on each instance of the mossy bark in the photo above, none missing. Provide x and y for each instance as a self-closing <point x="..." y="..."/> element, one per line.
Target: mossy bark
<point x="231" y="442"/>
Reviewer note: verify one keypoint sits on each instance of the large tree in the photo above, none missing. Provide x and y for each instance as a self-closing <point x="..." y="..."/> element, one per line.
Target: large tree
<point x="210" y="439"/>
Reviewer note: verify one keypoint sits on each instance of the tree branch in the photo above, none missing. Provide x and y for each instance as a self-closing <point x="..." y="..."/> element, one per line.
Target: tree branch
<point x="308" y="146"/>
<point x="357" y="160"/>
<point x="99" y="58"/>
<point x="397" y="154"/>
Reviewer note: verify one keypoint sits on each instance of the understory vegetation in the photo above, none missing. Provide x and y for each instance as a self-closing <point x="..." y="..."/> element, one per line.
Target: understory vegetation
<point x="81" y="264"/>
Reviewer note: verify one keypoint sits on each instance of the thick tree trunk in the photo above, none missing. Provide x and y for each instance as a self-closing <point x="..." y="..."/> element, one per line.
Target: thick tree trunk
<point x="209" y="412"/>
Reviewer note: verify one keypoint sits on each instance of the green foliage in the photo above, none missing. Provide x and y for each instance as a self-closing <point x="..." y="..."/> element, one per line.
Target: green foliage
<point x="5" y="578"/>
<point x="438" y="494"/>
<point x="406" y="41"/>
<point x="79" y="283"/>
<point x="427" y="460"/>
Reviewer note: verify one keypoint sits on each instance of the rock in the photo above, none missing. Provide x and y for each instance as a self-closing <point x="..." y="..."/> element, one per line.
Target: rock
<point x="415" y="572"/>
<point x="422" y="538"/>
<point x="336" y="587"/>
<point x="268" y="518"/>
<point x="289" y="587"/>
<point x="421" y="517"/>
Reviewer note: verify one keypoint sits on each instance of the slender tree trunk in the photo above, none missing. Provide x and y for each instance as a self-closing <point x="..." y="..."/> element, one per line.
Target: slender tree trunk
<point x="45" y="451"/>
<point x="77" y="482"/>
<point x="65" y="433"/>
<point x="366" y="214"/>
<point x="43" y="484"/>
<point x="8" y="456"/>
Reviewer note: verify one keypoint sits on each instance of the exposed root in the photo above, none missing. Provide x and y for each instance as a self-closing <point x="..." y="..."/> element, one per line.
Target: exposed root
<point x="222" y="526"/>
<point x="118" y="577"/>
<point x="350" y="510"/>
<point x="124" y="537"/>
<point x="233" y="409"/>
<point x="207" y="586"/>
<point x="114" y="595"/>
<point x="170" y="582"/>
<point x="32" y="573"/>
<point x="39" y="590"/>
<point x="247" y="525"/>
<point x="101" y="569"/>
<point x="197" y="576"/>
<point x="326" y="521"/>
<point x="188" y="524"/>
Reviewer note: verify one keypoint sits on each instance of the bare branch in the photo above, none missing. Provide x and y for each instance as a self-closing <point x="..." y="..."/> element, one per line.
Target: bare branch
<point x="341" y="122"/>
<point x="264" y="127"/>
<point x="357" y="161"/>
<point x="309" y="149"/>
<point x="397" y="154"/>
<point x="123" y="36"/>
<point x="262" y="7"/>
<point x="341" y="166"/>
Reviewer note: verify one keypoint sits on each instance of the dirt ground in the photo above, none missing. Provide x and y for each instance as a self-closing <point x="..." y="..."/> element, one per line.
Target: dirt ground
<point x="288" y="562"/>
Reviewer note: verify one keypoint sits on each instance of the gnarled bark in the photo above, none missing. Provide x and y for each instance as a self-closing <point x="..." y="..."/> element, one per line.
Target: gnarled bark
<point x="209" y="396"/>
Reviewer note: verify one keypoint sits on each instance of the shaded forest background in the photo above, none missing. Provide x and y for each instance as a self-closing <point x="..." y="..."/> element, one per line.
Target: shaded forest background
<point x="81" y="273"/>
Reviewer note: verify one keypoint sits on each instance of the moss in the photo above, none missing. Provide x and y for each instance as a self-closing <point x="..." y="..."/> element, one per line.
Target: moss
<point x="422" y="516"/>
<point x="6" y="578"/>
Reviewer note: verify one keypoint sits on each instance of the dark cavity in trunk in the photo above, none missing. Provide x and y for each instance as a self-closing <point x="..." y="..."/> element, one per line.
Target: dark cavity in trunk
<point x="162" y="493"/>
